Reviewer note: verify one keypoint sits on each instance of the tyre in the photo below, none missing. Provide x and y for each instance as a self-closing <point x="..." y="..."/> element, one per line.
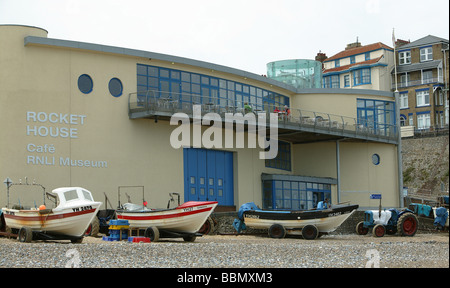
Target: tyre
<point x="310" y="232"/>
<point x="152" y="233"/>
<point x="208" y="227"/>
<point x="277" y="231"/>
<point x="407" y="224"/>
<point x="93" y="228"/>
<point x="77" y="240"/>
<point x="378" y="230"/>
<point x="360" y="229"/>
<point x="189" y="238"/>
<point x="25" y="235"/>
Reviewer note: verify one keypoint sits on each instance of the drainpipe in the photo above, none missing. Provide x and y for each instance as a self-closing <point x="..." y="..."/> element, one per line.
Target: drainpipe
<point x="399" y="148"/>
<point x="338" y="172"/>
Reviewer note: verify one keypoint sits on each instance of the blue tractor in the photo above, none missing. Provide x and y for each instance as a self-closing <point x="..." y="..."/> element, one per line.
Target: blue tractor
<point x="388" y="222"/>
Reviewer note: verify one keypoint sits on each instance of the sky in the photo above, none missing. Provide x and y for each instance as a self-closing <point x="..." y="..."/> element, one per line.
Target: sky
<point x="242" y="34"/>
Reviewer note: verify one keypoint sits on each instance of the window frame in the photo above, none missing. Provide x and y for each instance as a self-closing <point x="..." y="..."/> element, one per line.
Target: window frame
<point x="404" y="57"/>
<point x="426" y="54"/>
<point x="421" y="97"/>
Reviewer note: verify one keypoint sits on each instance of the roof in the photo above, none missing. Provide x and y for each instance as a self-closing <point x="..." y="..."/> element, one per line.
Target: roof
<point x="347" y="67"/>
<point x="418" y="66"/>
<point x="358" y="50"/>
<point x="427" y="40"/>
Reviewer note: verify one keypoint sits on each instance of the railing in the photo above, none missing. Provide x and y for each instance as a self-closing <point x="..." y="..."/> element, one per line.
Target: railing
<point x="150" y="103"/>
<point x="409" y="83"/>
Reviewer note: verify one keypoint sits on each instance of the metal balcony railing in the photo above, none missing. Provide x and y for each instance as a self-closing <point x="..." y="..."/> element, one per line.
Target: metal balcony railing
<point x="151" y="103"/>
<point x="409" y="83"/>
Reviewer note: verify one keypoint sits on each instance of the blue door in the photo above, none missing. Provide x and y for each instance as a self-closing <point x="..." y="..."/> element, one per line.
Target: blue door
<point x="208" y="176"/>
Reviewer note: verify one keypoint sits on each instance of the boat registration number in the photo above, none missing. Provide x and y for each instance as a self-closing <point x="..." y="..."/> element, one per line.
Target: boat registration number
<point x="334" y="214"/>
<point x="83" y="208"/>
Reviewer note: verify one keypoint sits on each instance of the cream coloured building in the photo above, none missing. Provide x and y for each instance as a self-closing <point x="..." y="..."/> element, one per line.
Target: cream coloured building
<point x="99" y="117"/>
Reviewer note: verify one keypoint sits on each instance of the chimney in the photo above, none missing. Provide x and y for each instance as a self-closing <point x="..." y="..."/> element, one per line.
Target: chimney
<point x="321" y="56"/>
<point x="400" y="42"/>
<point x="353" y="45"/>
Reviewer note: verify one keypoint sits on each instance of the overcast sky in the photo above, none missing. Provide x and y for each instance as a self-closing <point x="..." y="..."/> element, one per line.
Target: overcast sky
<point x="243" y="34"/>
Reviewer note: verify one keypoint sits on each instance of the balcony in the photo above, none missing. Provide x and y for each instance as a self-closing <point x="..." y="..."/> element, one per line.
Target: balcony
<point x="405" y="84"/>
<point x="300" y="126"/>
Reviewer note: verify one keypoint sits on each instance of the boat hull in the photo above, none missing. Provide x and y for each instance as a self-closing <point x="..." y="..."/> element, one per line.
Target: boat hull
<point x="186" y="218"/>
<point x="71" y="221"/>
<point x="326" y="221"/>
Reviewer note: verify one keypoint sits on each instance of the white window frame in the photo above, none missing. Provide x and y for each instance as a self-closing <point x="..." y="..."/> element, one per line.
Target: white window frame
<point x="427" y="79"/>
<point x="422" y="98"/>
<point x="426" y="54"/>
<point x="404" y="80"/>
<point x="403" y="100"/>
<point x="404" y="57"/>
<point x="423" y="121"/>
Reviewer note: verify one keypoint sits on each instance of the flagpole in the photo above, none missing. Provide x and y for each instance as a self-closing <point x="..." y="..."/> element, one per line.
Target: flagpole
<point x="395" y="60"/>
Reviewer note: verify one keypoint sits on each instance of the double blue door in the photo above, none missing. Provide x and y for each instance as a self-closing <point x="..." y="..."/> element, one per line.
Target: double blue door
<point x="208" y="176"/>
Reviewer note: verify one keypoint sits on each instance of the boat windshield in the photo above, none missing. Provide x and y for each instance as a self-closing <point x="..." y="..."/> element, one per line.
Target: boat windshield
<point x="87" y="195"/>
<point x="71" y="195"/>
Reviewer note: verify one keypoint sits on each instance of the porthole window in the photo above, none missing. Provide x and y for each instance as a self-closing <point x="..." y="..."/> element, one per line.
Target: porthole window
<point x="375" y="159"/>
<point x="85" y="84"/>
<point x="115" y="87"/>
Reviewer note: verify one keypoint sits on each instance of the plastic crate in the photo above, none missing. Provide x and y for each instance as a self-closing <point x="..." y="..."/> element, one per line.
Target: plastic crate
<point x="138" y="239"/>
<point x="119" y="222"/>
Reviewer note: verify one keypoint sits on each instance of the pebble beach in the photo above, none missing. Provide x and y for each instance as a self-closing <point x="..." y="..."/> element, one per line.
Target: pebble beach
<point x="231" y="251"/>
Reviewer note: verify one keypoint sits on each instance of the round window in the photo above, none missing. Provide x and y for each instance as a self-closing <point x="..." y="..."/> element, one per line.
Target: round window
<point x="85" y="84"/>
<point x="375" y="159"/>
<point x="115" y="87"/>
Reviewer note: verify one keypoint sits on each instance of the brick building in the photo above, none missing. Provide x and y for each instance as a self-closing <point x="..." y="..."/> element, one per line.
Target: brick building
<point x="422" y="82"/>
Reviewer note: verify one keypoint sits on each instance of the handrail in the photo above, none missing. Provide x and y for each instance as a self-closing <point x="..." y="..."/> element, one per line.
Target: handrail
<point x="152" y="102"/>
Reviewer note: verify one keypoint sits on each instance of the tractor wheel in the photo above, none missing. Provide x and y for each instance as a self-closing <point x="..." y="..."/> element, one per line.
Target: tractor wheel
<point x="152" y="233"/>
<point x="378" y="230"/>
<point x="277" y="231"/>
<point x="360" y="229"/>
<point x="207" y="227"/>
<point x="310" y="232"/>
<point x="407" y="224"/>
<point x="25" y="234"/>
<point x="93" y="228"/>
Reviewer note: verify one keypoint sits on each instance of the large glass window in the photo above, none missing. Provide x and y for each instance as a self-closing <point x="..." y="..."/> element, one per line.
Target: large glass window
<point x="294" y="195"/>
<point x="376" y="115"/>
<point x="196" y="88"/>
<point x="283" y="159"/>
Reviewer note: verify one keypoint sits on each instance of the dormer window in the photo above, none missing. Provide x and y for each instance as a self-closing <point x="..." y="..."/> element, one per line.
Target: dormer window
<point x="404" y="57"/>
<point x="426" y="54"/>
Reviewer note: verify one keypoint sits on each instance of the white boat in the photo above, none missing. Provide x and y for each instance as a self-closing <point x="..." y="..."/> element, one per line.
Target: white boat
<point x="68" y="220"/>
<point x="182" y="221"/>
<point x="308" y="223"/>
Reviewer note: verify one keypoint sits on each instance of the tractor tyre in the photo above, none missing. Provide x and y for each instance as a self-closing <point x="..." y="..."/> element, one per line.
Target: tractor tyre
<point x="93" y="228"/>
<point x="407" y="224"/>
<point x="360" y="229"/>
<point x="378" y="230"/>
